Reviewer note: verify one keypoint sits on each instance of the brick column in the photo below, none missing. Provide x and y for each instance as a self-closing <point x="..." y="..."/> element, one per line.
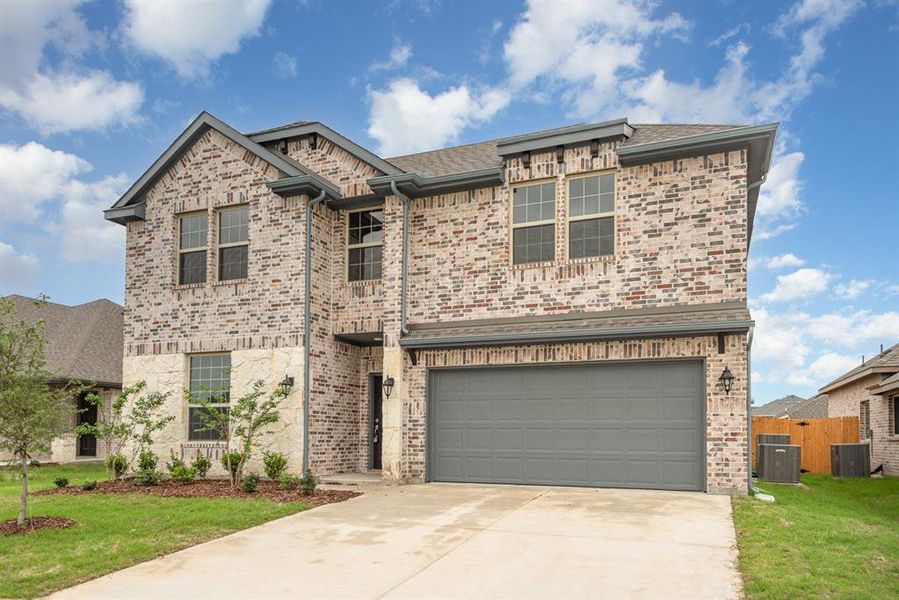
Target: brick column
<point x="391" y="278"/>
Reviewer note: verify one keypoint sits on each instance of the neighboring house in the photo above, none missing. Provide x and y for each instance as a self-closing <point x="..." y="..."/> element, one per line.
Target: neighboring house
<point x="871" y="392"/>
<point x="84" y="344"/>
<point x="813" y="408"/>
<point x="553" y="308"/>
<point x="779" y="408"/>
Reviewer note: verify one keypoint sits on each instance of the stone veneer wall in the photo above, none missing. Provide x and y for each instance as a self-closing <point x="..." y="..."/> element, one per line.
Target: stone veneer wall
<point x="845" y="402"/>
<point x="168" y="374"/>
<point x="725" y="414"/>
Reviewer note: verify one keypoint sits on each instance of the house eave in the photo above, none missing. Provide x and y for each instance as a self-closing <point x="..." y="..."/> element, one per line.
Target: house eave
<point x="125" y="214"/>
<point x="417" y="185"/>
<point x="504" y="338"/>
<point x="574" y="135"/>
<point x="303" y="184"/>
<point x="861" y="374"/>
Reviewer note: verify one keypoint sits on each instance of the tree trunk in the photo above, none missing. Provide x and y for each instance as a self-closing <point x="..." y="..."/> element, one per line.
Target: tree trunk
<point x="23" y="507"/>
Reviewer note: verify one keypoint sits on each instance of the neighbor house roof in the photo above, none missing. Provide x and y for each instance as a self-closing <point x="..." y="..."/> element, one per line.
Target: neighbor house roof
<point x="84" y="342"/>
<point x="890" y="384"/>
<point x="885" y="362"/>
<point x="778" y="408"/>
<point x="813" y="408"/>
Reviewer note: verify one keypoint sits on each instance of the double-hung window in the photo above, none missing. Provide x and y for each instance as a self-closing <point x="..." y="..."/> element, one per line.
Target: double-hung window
<point x="210" y="380"/>
<point x="591" y="216"/>
<point x="233" y="243"/>
<point x="364" y="244"/>
<point x="533" y="223"/>
<point x="192" y="248"/>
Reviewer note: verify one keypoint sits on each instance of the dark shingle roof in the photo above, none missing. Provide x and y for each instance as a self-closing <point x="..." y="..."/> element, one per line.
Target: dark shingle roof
<point x="883" y="362"/>
<point x="778" y="408"/>
<point x="813" y="408"/>
<point x="84" y="342"/>
<point x="483" y="155"/>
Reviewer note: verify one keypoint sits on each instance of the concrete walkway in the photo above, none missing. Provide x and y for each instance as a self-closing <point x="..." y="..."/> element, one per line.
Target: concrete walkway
<point x="460" y="541"/>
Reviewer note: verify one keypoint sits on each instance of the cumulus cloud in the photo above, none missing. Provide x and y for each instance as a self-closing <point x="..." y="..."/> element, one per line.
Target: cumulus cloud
<point x="784" y="261"/>
<point x="399" y="56"/>
<point x="190" y="36"/>
<point x="780" y="196"/>
<point x="285" y="65"/>
<point x="405" y="118"/>
<point x="853" y="289"/>
<point x="17" y="270"/>
<point x="799" y="285"/>
<point x="66" y="98"/>
<point x="43" y="184"/>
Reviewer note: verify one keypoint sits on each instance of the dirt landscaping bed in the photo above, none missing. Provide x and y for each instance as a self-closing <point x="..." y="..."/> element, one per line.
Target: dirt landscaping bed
<point x="209" y="488"/>
<point x="33" y="524"/>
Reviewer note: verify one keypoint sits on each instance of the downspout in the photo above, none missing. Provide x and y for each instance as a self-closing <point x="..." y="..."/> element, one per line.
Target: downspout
<point x="307" y="328"/>
<point x="404" y="329"/>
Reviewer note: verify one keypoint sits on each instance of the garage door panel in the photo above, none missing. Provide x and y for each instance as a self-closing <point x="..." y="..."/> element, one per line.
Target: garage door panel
<point x="615" y="424"/>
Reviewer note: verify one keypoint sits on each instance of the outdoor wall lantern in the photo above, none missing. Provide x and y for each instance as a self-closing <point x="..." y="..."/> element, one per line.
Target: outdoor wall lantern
<point x="286" y="384"/>
<point x="727" y="380"/>
<point x="388" y="387"/>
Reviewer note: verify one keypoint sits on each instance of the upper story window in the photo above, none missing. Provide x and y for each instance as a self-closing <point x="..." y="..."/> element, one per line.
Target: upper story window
<point x="192" y="248"/>
<point x="364" y="244"/>
<point x="210" y="379"/>
<point x="233" y="243"/>
<point x="533" y="223"/>
<point x="591" y="216"/>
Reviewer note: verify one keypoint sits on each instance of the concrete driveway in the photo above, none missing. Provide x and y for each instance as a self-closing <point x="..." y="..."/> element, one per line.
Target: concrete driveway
<point x="460" y="541"/>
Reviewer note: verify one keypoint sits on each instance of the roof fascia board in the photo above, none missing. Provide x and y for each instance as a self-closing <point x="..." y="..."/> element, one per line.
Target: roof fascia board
<point x="366" y="201"/>
<point x="698" y="144"/>
<point x="500" y="338"/>
<point x="198" y="127"/>
<point x="303" y="184"/>
<point x="580" y="134"/>
<point x="843" y="381"/>
<point x="416" y="185"/>
<point x="335" y="138"/>
<point x="125" y="214"/>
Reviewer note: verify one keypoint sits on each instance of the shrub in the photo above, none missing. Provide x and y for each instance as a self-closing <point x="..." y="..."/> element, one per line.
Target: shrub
<point x="183" y="473"/>
<point x="116" y="464"/>
<point x="146" y="477"/>
<point x="147" y="461"/>
<point x="61" y="482"/>
<point x="307" y="482"/>
<point x="275" y="463"/>
<point x="202" y="464"/>
<point x="88" y="485"/>
<point x="250" y="482"/>
<point x="231" y="462"/>
<point x="35" y="463"/>
<point x="289" y="482"/>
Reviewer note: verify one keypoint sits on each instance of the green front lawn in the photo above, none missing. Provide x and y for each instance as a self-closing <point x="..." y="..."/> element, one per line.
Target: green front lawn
<point x="112" y="531"/>
<point x="831" y="538"/>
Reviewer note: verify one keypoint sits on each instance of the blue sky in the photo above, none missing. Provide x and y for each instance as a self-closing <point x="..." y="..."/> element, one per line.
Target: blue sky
<point x="91" y="93"/>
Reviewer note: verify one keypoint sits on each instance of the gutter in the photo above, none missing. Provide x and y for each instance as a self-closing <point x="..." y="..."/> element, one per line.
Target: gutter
<point x="404" y="329"/>
<point x="307" y="326"/>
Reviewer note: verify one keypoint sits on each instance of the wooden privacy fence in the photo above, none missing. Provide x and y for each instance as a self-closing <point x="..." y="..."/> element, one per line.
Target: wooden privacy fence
<point x="814" y="436"/>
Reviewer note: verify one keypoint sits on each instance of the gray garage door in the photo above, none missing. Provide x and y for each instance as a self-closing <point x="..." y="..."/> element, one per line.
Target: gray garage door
<point x="636" y="425"/>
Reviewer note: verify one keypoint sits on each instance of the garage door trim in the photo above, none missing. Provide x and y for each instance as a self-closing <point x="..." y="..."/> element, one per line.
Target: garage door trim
<point x="431" y="423"/>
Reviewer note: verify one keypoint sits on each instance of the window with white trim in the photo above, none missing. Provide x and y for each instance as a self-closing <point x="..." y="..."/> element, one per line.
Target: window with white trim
<point x="233" y="243"/>
<point x="591" y="216"/>
<point x="534" y="223"/>
<point x="210" y="380"/>
<point x="192" y="248"/>
<point x="364" y="244"/>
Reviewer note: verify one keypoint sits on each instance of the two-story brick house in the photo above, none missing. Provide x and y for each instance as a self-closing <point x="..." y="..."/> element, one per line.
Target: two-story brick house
<point x="554" y="308"/>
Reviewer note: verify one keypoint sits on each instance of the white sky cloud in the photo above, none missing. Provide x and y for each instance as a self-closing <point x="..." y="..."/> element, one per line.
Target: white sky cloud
<point x="780" y="195"/>
<point x="798" y="285"/>
<point x="784" y="261"/>
<point x="285" y="65"/>
<point x="67" y="98"/>
<point x="405" y="118"/>
<point x="17" y="271"/>
<point x="399" y="56"/>
<point x="40" y="184"/>
<point x="853" y="289"/>
<point x="190" y="36"/>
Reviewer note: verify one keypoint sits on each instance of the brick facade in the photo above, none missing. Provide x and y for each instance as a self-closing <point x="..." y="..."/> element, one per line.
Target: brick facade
<point x="680" y="238"/>
<point x="846" y="400"/>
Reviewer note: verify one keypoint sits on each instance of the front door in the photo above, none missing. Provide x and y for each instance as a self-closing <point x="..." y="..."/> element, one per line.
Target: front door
<point x="376" y="429"/>
<point x="87" y="414"/>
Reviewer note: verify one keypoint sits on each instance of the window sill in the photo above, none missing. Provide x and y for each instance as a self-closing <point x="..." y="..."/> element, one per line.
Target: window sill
<point x="188" y="286"/>
<point x="230" y="282"/>
<point x="363" y="283"/>
<point x="564" y="263"/>
<point x="535" y="265"/>
<point x="589" y="259"/>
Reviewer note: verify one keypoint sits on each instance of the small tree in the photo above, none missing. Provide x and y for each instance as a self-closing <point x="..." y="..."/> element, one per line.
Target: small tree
<point x="242" y="424"/>
<point x="32" y="413"/>
<point x="130" y="418"/>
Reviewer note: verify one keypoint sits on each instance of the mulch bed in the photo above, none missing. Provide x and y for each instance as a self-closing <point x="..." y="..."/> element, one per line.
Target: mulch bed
<point x="209" y="488"/>
<point x="33" y="524"/>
